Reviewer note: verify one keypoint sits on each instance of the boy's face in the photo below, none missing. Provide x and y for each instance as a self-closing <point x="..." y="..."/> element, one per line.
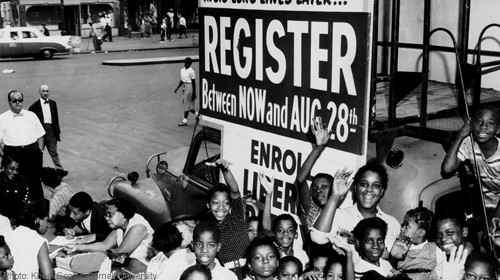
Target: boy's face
<point x="320" y="190"/>
<point x="290" y="271"/>
<point x="411" y="230"/>
<point x="219" y="205"/>
<point x="285" y="234"/>
<point x="484" y="126"/>
<point x="206" y="248"/>
<point x="479" y="270"/>
<point x="264" y="261"/>
<point x="6" y="260"/>
<point x="371" y="247"/>
<point x="369" y="190"/>
<point x="449" y="235"/>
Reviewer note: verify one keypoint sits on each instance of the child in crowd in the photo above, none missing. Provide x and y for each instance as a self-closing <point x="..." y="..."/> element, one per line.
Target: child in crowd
<point x="481" y="267"/>
<point x="285" y="232"/>
<point x="253" y="227"/>
<point x="485" y="126"/>
<point x="226" y="210"/>
<point x="451" y="233"/>
<point x="317" y="264"/>
<point x="171" y="259"/>
<point x="6" y="261"/>
<point x="196" y="272"/>
<point x="369" y="236"/>
<point x="206" y="244"/>
<point x="262" y="259"/>
<point x="55" y="190"/>
<point x="418" y="258"/>
<point x="334" y="269"/>
<point x="290" y="268"/>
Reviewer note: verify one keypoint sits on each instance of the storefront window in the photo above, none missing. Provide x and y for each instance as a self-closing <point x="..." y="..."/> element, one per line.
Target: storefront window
<point x="98" y="13"/>
<point x="50" y="15"/>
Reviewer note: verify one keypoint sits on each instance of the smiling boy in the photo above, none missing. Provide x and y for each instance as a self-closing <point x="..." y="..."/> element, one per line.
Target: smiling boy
<point x="206" y="244"/>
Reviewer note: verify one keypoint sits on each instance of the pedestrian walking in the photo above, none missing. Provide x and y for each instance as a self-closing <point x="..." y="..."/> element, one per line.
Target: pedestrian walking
<point x="163" y="30"/>
<point x="188" y="84"/>
<point x="182" y="26"/>
<point x="46" y="111"/>
<point x="170" y="24"/>
<point x="21" y="134"/>
<point x="93" y="36"/>
<point x="108" y="33"/>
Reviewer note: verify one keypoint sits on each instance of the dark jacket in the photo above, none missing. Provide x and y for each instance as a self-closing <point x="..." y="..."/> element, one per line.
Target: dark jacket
<point x="98" y="224"/>
<point x="36" y="108"/>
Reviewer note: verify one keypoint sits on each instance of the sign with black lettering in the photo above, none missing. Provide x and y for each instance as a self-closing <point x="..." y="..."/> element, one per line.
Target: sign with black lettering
<point x="268" y="68"/>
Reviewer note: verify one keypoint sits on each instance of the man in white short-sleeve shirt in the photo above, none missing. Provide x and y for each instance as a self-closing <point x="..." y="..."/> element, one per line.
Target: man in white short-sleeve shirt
<point x="21" y="136"/>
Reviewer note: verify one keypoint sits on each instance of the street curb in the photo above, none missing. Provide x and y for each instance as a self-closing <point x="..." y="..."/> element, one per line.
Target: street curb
<point x="148" y="61"/>
<point x="136" y="50"/>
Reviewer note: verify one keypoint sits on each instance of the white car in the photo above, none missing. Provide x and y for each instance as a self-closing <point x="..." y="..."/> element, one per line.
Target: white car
<point x="29" y="41"/>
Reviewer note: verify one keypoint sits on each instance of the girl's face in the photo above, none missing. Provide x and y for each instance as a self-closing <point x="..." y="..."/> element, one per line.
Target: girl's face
<point x="6" y="260"/>
<point x="253" y="229"/>
<point x="371" y="247"/>
<point x="11" y="170"/>
<point x="369" y="190"/>
<point x="114" y="218"/>
<point x="264" y="262"/>
<point x="289" y="271"/>
<point x="410" y="230"/>
<point x="334" y="272"/>
<point x="219" y="205"/>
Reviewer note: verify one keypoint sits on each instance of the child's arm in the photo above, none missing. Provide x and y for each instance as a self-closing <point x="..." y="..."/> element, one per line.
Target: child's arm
<point x="322" y="136"/>
<point x="349" y="270"/>
<point x="266" y="213"/>
<point x="451" y="161"/>
<point x="229" y="178"/>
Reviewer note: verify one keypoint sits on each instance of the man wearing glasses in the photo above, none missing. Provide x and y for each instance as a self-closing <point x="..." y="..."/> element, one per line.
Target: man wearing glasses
<point x="21" y="138"/>
<point x="46" y="111"/>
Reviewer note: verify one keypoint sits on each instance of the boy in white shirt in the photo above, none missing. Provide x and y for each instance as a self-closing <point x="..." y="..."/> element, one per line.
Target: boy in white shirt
<point x="206" y="244"/>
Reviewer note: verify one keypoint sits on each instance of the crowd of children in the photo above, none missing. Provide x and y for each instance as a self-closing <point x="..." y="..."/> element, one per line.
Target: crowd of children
<point x="326" y="242"/>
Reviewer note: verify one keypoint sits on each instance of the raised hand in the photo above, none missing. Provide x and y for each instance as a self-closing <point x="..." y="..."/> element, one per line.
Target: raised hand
<point x="341" y="183"/>
<point x="321" y="134"/>
<point x="453" y="268"/>
<point x="266" y="182"/>
<point x="465" y="130"/>
<point x="222" y="163"/>
<point x="399" y="249"/>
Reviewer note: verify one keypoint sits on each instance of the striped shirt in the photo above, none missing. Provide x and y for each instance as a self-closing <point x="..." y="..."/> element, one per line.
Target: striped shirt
<point x="489" y="168"/>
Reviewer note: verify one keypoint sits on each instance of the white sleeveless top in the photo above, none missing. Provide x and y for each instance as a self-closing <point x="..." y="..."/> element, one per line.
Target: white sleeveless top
<point x="24" y="245"/>
<point x="141" y="251"/>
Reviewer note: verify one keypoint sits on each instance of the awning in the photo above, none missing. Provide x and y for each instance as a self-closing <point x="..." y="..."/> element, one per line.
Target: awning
<point x="39" y="2"/>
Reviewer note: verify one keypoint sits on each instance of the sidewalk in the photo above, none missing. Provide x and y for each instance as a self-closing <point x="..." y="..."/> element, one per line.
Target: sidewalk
<point x="121" y="44"/>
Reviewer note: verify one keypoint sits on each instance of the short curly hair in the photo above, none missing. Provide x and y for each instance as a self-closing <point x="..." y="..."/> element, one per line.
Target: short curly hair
<point x="423" y="217"/>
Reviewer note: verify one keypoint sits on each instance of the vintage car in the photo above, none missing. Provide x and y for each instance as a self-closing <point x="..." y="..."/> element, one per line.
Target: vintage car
<point x="30" y="42"/>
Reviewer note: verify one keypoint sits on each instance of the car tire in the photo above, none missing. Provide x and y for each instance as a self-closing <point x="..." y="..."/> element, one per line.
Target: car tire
<point x="46" y="54"/>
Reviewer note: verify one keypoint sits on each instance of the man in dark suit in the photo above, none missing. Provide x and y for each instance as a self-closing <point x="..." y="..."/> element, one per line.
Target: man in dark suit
<point x="46" y="111"/>
<point x="88" y="216"/>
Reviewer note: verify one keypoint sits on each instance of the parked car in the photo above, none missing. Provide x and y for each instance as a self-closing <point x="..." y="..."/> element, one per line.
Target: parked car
<point x="29" y="41"/>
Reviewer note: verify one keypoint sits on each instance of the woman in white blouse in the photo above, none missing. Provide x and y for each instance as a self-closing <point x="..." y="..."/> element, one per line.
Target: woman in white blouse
<point x="28" y="248"/>
<point x="188" y="84"/>
<point x="131" y="235"/>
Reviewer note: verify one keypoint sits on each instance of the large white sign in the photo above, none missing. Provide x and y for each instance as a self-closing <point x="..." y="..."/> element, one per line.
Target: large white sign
<point x="268" y="68"/>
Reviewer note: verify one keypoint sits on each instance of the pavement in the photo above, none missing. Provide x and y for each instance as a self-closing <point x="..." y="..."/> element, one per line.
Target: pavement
<point x="124" y="44"/>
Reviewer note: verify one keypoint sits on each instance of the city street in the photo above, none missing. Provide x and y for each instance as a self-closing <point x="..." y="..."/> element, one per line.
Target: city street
<point x="112" y="118"/>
